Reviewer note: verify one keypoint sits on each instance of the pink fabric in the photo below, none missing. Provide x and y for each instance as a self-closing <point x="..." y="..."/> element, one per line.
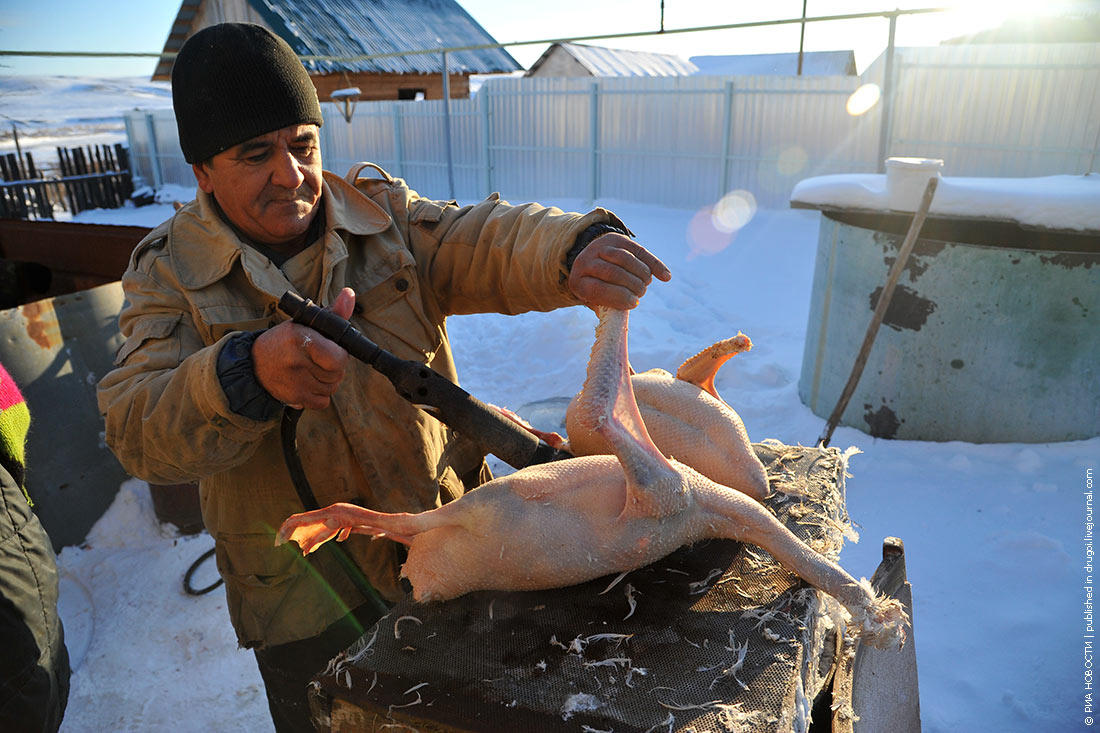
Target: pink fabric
<point x="9" y="393"/>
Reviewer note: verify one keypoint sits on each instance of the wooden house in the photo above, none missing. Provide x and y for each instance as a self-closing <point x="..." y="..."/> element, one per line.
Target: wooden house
<point x="326" y="33"/>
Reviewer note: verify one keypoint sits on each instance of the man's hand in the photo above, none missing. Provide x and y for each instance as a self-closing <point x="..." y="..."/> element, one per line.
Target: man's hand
<point x="297" y="365"/>
<point x="614" y="271"/>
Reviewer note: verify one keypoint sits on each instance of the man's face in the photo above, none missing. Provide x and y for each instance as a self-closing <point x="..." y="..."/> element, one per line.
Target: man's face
<point x="268" y="186"/>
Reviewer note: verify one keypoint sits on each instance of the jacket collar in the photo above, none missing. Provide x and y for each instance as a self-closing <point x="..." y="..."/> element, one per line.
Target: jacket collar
<point x="204" y="248"/>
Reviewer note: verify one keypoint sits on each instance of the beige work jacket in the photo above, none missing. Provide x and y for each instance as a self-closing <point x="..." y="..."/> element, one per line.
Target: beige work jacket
<point x="191" y="284"/>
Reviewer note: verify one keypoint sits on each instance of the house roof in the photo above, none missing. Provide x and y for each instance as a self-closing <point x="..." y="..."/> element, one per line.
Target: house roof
<point x="363" y="27"/>
<point x="814" y="63"/>
<point x="600" y="61"/>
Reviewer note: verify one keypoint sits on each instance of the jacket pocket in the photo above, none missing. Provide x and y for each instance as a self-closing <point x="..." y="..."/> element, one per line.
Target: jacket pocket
<point x="258" y="576"/>
<point x="253" y="560"/>
<point x="217" y="330"/>
<point x="426" y="211"/>
<point x="147" y="329"/>
<point x="218" y="320"/>
<point x="395" y="316"/>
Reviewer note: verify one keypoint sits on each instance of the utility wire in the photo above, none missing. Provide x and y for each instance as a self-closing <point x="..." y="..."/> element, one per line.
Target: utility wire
<point x="542" y="41"/>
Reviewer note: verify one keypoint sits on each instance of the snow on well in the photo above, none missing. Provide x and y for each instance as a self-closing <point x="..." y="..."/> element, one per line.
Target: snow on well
<point x="1049" y="202"/>
<point x="993" y="533"/>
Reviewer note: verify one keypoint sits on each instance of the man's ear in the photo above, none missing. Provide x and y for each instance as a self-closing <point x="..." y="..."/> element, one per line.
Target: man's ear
<point x="202" y="175"/>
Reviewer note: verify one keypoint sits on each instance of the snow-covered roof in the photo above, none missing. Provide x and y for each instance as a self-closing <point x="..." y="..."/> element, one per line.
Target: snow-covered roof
<point x="814" y="63"/>
<point x="345" y="28"/>
<point x="349" y="28"/>
<point x="600" y="61"/>
<point x="1064" y="203"/>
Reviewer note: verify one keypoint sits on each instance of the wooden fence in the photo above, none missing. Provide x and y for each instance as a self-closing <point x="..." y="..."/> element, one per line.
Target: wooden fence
<point x="92" y="177"/>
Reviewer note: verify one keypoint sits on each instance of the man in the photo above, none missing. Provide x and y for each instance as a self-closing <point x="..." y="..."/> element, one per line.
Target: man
<point x="209" y="363"/>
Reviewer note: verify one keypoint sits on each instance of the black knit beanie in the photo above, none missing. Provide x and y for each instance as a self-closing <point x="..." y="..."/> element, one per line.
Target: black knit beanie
<point x="234" y="81"/>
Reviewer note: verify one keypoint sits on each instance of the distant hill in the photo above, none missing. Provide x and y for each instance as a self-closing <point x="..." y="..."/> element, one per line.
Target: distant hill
<point x="58" y="100"/>
<point x="72" y="110"/>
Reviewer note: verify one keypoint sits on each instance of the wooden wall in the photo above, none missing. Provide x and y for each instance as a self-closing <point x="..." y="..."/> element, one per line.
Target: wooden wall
<point x="384" y="86"/>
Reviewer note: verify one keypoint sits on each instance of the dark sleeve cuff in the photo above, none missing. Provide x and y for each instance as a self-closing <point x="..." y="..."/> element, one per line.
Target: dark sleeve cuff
<point x="586" y="236"/>
<point x="236" y="373"/>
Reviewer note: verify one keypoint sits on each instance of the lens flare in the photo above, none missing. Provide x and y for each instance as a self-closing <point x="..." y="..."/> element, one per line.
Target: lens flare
<point x="791" y="161"/>
<point x="975" y="15"/>
<point x="863" y="99"/>
<point x="714" y="228"/>
<point x="733" y="211"/>
<point x="703" y="238"/>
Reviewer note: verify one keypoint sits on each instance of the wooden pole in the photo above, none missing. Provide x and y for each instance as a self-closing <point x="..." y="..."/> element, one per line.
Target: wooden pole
<point x="66" y="169"/>
<point x="880" y="311"/>
<point x="15" y="136"/>
<point x="447" y="126"/>
<point x="802" y="37"/>
<point x="887" y="107"/>
<point x="127" y="174"/>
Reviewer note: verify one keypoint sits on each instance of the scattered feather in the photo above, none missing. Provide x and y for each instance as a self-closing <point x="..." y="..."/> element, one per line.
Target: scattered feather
<point x="417" y="701"/>
<point x="579" y="702"/>
<point x="367" y="649"/>
<point x="700" y="586"/>
<point x="630" y="601"/>
<point x="397" y="631"/>
<point x="667" y="723"/>
<point x="614" y="582"/>
<point x="731" y="671"/>
<point x="700" y="706"/>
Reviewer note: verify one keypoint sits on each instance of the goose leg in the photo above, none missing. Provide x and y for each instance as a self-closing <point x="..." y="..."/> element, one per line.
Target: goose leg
<point x="313" y="529"/>
<point x="879" y="619"/>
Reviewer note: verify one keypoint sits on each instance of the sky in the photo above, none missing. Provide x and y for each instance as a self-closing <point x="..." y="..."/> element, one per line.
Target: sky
<point x="94" y="25"/>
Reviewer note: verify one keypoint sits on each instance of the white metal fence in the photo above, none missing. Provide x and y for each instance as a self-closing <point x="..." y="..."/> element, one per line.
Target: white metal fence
<point x="1000" y="110"/>
<point x="685" y="141"/>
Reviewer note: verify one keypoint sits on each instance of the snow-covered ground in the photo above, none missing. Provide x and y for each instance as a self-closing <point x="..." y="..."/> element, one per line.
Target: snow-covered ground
<point x="994" y="534"/>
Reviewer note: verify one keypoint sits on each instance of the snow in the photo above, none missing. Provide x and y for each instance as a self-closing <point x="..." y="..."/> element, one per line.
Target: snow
<point x="1064" y="202"/>
<point x="994" y="533"/>
<point x="145" y="655"/>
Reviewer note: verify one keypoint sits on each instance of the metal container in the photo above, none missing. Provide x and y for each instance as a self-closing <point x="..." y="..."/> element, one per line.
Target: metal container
<point x="178" y="504"/>
<point x="56" y="350"/>
<point x="993" y="334"/>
